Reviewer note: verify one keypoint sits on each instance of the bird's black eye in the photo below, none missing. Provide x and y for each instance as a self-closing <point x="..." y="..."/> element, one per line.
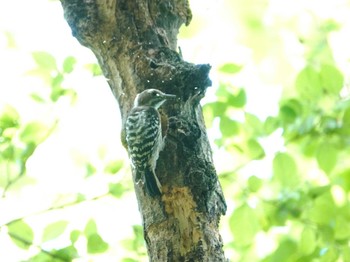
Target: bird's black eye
<point x="155" y="93"/>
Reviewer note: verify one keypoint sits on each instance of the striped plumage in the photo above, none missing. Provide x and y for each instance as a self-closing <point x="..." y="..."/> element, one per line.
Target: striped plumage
<point x="144" y="137"/>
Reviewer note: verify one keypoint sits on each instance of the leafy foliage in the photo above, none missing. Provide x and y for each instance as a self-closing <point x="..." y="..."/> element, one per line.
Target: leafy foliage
<point x="306" y="192"/>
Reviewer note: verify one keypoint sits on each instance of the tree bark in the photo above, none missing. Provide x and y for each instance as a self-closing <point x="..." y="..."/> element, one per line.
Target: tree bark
<point x="135" y="42"/>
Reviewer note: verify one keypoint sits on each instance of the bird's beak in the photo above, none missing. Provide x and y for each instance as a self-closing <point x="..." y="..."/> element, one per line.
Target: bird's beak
<point x="168" y="96"/>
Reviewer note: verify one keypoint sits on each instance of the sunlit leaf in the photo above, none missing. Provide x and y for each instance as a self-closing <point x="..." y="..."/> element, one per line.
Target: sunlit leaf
<point x="34" y="132"/>
<point x="95" y="244"/>
<point x="57" y="81"/>
<point x="95" y="69"/>
<point x="90" y="228"/>
<point x="317" y="212"/>
<point x="285" y="170"/>
<point x="308" y="83"/>
<point x="332" y="79"/>
<point x="238" y="100"/>
<point x="244" y="225"/>
<point x="270" y="125"/>
<point x="74" y="236"/>
<point x="345" y="252"/>
<point x="285" y="251"/>
<point x="254" y="124"/>
<point x="342" y="228"/>
<point x="290" y="110"/>
<point x="21" y="234"/>
<point x="113" y="167"/>
<point x="116" y="189"/>
<point x="230" y="68"/>
<point x="254" y="183"/>
<point x="9" y="117"/>
<point x="40" y="257"/>
<point x="11" y="41"/>
<point x="45" y="60"/>
<point x="254" y="149"/>
<point x="90" y="169"/>
<point x="307" y="242"/>
<point x="54" y="230"/>
<point x="128" y="259"/>
<point x="327" y="157"/>
<point x="66" y="254"/>
<point x="329" y="254"/>
<point x="228" y="127"/>
<point x="343" y="179"/>
<point x="68" y="64"/>
<point x="56" y="93"/>
<point x="38" y="98"/>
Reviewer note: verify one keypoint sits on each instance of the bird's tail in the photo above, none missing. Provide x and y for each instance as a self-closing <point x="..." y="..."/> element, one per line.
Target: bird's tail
<point x="153" y="186"/>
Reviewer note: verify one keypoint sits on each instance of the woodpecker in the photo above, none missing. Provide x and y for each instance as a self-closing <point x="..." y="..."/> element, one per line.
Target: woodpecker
<point x="144" y="137"/>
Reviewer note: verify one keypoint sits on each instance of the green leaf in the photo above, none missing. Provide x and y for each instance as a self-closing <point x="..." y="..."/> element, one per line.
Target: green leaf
<point x="244" y="225"/>
<point x="41" y="257"/>
<point x="74" y="236"/>
<point x="57" y="81"/>
<point x="238" y="100"/>
<point x="290" y="110"/>
<point x="346" y="252"/>
<point x="66" y="254"/>
<point x="308" y="83"/>
<point x="68" y="64"/>
<point x="329" y="255"/>
<point x="346" y="122"/>
<point x="21" y="234"/>
<point x="95" y="69"/>
<point x="8" y="152"/>
<point x="270" y="125"/>
<point x="343" y="179"/>
<point x="285" y="170"/>
<point x="114" y="166"/>
<point x="45" y="60"/>
<point x="34" y="132"/>
<point x="218" y="108"/>
<point x="90" y="228"/>
<point x="307" y="243"/>
<point x="342" y="228"/>
<point x="332" y="79"/>
<point x="54" y="230"/>
<point x="11" y="41"/>
<point x="285" y="251"/>
<point x="317" y="212"/>
<point x="27" y="151"/>
<point x="230" y="68"/>
<point x="254" y="183"/>
<point x="128" y="259"/>
<point x="254" y="149"/>
<point x="90" y="169"/>
<point x="326" y="156"/>
<point x="37" y="98"/>
<point x="9" y="117"/>
<point x="254" y="124"/>
<point x="228" y="127"/>
<point x="56" y="93"/>
<point x="116" y="189"/>
<point x="95" y="244"/>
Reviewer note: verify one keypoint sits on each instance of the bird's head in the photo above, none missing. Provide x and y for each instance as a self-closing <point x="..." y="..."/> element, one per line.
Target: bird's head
<point x="152" y="97"/>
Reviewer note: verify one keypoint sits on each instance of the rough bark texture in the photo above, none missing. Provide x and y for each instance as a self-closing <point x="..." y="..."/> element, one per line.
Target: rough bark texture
<point x="135" y="43"/>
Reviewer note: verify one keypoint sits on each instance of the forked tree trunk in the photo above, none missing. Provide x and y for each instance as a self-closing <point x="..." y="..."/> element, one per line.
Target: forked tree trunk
<point x="135" y="42"/>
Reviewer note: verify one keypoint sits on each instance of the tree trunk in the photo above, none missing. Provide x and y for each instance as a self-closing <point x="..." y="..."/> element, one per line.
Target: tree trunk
<point x="135" y="42"/>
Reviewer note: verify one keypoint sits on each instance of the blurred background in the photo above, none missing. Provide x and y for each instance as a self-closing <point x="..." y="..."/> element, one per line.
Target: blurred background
<point x="278" y="118"/>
